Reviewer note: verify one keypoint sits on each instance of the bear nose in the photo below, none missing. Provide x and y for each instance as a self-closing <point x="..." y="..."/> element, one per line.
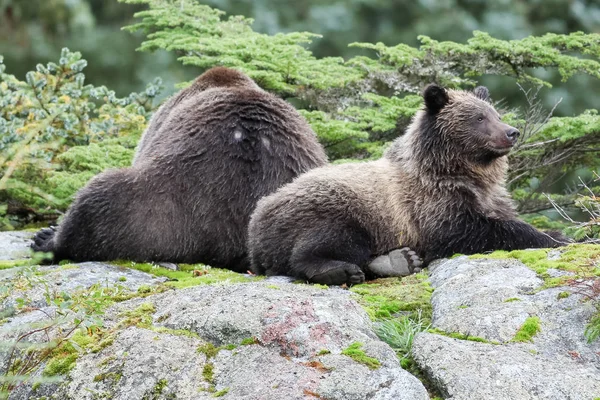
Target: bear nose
<point x="512" y="134"/>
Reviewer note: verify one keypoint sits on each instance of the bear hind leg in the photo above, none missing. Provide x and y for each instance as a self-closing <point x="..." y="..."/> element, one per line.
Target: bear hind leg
<point x="331" y="256"/>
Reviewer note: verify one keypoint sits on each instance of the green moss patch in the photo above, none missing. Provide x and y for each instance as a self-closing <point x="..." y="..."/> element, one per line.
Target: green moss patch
<point x="528" y="330"/>
<point x="208" y="373"/>
<point x="140" y="317"/>
<point x="7" y="264"/>
<point x="461" y="336"/>
<point x="62" y="359"/>
<point x="221" y="392"/>
<point x="189" y="274"/>
<point x="581" y="259"/>
<point x="512" y="299"/>
<point x="385" y="298"/>
<point x="355" y="352"/>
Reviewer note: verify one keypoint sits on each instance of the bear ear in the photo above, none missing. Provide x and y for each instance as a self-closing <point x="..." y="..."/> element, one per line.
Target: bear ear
<point x="483" y="93"/>
<point x="436" y="97"/>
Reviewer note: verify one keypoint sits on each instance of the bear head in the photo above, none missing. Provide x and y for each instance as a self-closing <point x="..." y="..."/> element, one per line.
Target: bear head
<point x="466" y="124"/>
<point x="223" y="77"/>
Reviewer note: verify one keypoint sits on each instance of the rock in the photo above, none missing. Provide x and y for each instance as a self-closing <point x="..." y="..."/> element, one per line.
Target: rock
<point x="471" y="296"/>
<point x="491" y="299"/>
<point x="14" y="245"/>
<point x="465" y="370"/>
<point x="55" y="279"/>
<point x="140" y="364"/>
<point x="299" y="331"/>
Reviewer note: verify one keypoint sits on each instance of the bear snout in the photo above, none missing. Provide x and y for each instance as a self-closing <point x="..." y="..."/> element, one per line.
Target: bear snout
<point x="512" y="134"/>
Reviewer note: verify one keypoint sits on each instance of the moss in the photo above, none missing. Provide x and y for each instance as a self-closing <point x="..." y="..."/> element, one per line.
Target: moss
<point x="273" y="287"/>
<point x="355" y="352"/>
<point x="122" y="279"/>
<point x="208" y="349"/>
<point x="512" y="299"/>
<point x="144" y="289"/>
<point x="6" y="264"/>
<point x="323" y="352"/>
<point x="62" y="359"/>
<point x="221" y="392"/>
<point x="176" y="332"/>
<point x="140" y="317"/>
<point x="103" y="343"/>
<point x="462" y="336"/>
<point x="185" y="276"/>
<point x="384" y="298"/>
<point x="528" y="330"/>
<point x="463" y="307"/>
<point x="61" y="365"/>
<point x="208" y="372"/>
<point x="114" y="376"/>
<point x="563" y="295"/>
<point x="580" y="259"/>
<point x="106" y="361"/>
<point x="249" y="341"/>
<point x="157" y="391"/>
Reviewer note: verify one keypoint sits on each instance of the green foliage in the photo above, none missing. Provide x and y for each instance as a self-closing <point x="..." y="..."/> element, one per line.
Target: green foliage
<point x="592" y="331"/>
<point x="454" y="65"/>
<point x="58" y="132"/>
<point x="280" y="63"/>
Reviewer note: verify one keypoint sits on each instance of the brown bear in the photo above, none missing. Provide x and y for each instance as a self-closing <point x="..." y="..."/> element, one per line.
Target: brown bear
<point x="209" y="154"/>
<point x="439" y="189"/>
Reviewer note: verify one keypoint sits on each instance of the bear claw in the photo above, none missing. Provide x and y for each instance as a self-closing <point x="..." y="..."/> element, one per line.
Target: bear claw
<point x="43" y="238"/>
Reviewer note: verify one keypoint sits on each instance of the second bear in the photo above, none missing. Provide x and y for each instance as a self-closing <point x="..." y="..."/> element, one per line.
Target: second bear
<point x="439" y="189"/>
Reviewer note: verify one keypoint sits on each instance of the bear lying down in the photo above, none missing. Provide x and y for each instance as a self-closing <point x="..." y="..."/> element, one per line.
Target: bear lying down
<point x="209" y="153"/>
<point x="439" y="189"/>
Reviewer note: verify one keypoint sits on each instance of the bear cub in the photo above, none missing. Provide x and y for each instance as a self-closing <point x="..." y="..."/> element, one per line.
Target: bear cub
<point x="439" y="190"/>
<point x="207" y="156"/>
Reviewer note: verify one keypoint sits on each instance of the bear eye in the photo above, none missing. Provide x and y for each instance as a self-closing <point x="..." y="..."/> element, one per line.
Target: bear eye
<point x="480" y="118"/>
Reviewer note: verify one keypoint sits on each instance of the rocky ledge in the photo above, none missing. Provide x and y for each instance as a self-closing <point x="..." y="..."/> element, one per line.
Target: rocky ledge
<point x="498" y="331"/>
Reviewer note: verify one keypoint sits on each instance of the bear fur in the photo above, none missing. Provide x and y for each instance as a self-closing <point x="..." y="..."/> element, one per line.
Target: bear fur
<point x="439" y="189"/>
<point x="209" y="154"/>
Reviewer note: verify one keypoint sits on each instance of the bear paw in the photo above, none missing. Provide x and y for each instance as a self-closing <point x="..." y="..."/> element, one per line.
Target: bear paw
<point x="43" y="240"/>
<point x="339" y="273"/>
<point x="399" y="262"/>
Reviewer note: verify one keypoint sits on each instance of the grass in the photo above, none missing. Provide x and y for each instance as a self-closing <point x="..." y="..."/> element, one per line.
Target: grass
<point x="592" y="331"/>
<point x="462" y="336"/>
<point x="399" y="333"/>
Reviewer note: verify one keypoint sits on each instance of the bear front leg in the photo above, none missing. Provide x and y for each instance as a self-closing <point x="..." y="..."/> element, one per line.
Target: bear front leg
<point x="478" y="234"/>
<point x="331" y="255"/>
